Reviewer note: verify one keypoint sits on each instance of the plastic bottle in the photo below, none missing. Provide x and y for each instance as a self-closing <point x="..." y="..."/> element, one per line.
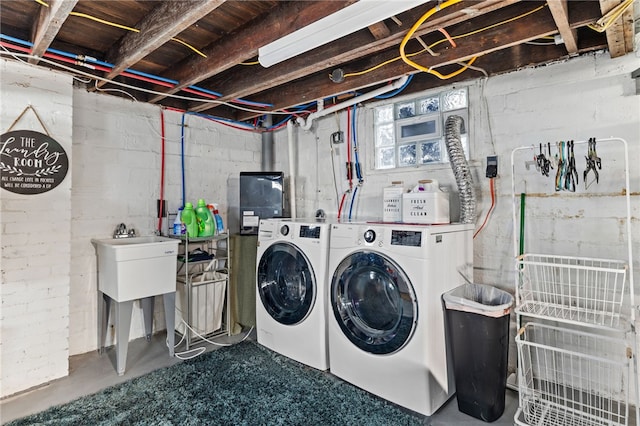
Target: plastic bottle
<point x="215" y="222"/>
<point x="206" y="222"/>
<point x="189" y="218"/>
<point x="178" y="225"/>
<point x="219" y="224"/>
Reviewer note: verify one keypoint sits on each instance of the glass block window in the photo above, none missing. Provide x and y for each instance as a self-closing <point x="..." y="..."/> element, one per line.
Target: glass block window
<point x="410" y="133"/>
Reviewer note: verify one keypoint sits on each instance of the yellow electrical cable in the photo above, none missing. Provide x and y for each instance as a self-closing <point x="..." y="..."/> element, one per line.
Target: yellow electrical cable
<point x="102" y="21"/>
<point x="607" y="20"/>
<point x="123" y="27"/>
<point x="250" y="63"/>
<point x="189" y="46"/>
<point x="409" y="55"/>
<point x="412" y="31"/>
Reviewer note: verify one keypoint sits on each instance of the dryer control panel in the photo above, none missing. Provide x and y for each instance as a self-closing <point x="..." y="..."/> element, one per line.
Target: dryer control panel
<point x="406" y="238"/>
<point x="307" y="231"/>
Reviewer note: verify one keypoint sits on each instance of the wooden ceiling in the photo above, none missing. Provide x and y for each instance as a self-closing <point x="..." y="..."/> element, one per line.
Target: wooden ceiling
<point x="204" y="49"/>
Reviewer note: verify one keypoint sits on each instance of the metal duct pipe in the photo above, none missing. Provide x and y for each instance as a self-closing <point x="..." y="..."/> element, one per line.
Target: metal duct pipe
<point x="267" y="163"/>
<point x="460" y="169"/>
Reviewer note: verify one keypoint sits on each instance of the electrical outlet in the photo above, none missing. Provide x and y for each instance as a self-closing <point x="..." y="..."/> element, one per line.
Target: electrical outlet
<point x="492" y="166"/>
<point x="337" y="137"/>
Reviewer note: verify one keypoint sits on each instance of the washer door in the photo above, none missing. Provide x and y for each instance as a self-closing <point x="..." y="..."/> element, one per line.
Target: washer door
<point x="373" y="302"/>
<point x="286" y="283"/>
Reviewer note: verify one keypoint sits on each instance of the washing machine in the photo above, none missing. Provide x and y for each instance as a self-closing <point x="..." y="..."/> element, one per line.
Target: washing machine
<point x="385" y="320"/>
<point x="291" y="291"/>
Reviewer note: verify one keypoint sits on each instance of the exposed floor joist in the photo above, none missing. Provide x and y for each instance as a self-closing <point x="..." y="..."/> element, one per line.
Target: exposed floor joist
<point x="164" y="22"/>
<point x="50" y="20"/>
<point x="560" y="11"/>
<point x="244" y="44"/>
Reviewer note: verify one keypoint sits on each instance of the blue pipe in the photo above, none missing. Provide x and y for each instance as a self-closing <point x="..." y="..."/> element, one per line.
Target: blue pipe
<point x="129" y="70"/>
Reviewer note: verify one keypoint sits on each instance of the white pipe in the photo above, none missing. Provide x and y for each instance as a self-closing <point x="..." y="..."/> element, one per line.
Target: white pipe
<point x="306" y="124"/>
<point x="292" y="171"/>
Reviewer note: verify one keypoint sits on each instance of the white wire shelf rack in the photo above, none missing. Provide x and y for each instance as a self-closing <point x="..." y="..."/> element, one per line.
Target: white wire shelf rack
<point x="572" y="378"/>
<point x="584" y="291"/>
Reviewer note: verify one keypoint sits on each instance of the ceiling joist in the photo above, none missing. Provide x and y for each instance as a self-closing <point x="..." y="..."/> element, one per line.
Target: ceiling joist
<point x="165" y="21"/>
<point x="560" y="11"/>
<point x="48" y="24"/>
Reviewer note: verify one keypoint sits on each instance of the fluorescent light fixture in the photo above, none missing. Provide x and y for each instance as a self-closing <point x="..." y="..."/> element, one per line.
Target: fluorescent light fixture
<point x="339" y="24"/>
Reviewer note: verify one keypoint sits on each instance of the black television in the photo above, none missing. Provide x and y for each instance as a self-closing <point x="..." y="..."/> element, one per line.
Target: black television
<point x="261" y="197"/>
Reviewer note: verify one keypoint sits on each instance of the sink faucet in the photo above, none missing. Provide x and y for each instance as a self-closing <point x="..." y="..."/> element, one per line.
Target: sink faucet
<point x="121" y="232"/>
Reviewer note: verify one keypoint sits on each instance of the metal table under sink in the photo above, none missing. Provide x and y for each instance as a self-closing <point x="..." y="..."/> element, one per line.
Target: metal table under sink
<point x="129" y="269"/>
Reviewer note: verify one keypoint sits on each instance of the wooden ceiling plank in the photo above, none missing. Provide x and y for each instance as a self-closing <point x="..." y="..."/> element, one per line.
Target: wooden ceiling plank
<point x="560" y="11"/>
<point x="619" y="39"/>
<point x="495" y="40"/>
<point x="48" y="24"/>
<point x="244" y="44"/>
<point x="163" y="23"/>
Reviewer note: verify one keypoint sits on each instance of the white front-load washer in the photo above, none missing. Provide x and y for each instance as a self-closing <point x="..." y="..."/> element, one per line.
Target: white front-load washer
<point x="385" y="320"/>
<point x="291" y="291"/>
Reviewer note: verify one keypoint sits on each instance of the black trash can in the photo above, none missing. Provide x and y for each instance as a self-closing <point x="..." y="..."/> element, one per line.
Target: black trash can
<point x="477" y="332"/>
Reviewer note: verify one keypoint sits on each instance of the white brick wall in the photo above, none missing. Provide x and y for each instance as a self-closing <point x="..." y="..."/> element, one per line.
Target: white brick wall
<point x="35" y="243"/>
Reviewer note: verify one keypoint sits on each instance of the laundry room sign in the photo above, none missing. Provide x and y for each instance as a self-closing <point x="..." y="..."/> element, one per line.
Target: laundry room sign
<point x="31" y="162"/>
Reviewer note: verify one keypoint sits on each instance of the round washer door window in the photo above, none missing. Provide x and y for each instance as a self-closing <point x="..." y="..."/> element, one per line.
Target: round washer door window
<point x="373" y="302"/>
<point x="286" y="283"/>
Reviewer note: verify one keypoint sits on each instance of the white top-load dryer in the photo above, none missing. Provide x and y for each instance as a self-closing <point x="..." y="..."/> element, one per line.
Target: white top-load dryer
<point x="385" y="320"/>
<point x="291" y="292"/>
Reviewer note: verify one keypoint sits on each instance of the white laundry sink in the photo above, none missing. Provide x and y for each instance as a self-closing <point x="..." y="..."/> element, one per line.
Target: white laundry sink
<point x="136" y="267"/>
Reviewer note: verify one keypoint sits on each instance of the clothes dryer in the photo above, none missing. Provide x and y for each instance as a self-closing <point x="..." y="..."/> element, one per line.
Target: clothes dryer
<point x="291" y="292"/>
<point x="385" y="320"/>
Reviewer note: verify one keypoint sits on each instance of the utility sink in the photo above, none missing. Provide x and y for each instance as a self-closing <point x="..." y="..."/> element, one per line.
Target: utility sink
<point x="136" y="267"/>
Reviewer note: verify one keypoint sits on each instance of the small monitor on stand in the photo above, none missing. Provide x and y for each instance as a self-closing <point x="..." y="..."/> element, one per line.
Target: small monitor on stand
<point x="261" y="197"/>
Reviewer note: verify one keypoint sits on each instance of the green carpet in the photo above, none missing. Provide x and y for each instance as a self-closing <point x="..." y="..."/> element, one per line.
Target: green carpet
<point x="244" y="384"/>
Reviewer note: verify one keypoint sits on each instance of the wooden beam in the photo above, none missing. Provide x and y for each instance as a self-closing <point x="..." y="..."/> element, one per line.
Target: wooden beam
<point x="357" y="45"/>
<point x="487" y="43"/>
<point x="48" y="24"/>
<point x="560" y="11"/>
<point x="163" y="23"/>
<point x="620" y="33"/>
<point x="244" y="44"/>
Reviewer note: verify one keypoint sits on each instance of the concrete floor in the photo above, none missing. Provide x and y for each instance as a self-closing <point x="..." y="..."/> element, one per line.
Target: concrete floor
<point x="91" y="372"/>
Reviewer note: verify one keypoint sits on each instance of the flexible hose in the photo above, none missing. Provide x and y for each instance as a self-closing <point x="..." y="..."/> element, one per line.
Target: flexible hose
<point x="460" y="168"/>
<point x="353" y="201"/>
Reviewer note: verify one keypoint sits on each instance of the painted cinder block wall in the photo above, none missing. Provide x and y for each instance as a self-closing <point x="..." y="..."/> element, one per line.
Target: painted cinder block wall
<point x="35" y="249"/>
